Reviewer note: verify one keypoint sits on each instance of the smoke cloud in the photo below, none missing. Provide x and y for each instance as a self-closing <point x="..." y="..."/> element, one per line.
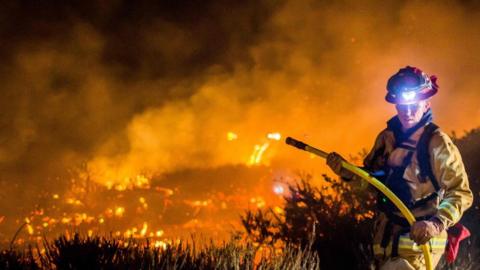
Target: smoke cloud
<point x="126" y="89"/>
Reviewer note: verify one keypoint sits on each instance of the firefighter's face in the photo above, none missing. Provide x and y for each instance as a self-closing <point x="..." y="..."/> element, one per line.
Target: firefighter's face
<point x="411" y="114"/>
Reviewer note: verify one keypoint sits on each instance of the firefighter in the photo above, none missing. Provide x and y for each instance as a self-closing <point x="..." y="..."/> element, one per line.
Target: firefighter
<point x="422" y="166"/>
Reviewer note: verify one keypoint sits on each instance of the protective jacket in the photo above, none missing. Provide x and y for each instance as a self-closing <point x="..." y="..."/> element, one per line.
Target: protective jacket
<point x="445" y="197"/>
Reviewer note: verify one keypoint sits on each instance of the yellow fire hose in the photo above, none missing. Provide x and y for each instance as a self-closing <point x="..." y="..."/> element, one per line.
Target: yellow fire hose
<point x="376" y="183"/>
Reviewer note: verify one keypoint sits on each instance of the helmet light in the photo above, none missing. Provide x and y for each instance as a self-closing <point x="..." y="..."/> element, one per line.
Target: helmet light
<point x="409" y="96"/>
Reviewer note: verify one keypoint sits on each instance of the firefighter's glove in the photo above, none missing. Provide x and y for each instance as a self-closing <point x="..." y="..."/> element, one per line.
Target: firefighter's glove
<point x="422" y="231"/>
<point x="334" y="161"/>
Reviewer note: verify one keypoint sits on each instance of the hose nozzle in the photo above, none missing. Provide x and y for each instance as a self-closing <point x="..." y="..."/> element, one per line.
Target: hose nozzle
<point x="303" y="146"/>
<point x="295" y="143"/>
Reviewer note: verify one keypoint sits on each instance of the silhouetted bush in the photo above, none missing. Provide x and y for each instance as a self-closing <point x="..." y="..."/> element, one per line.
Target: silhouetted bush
<point x="327" y="228"/>
<point x="11" y="259"/>
<point x="336" y="219"/>
<point x="111" y="253"/>
<point x="469" y="254"/>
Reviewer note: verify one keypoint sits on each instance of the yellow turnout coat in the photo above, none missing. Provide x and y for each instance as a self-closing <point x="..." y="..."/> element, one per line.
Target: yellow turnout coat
<point x="454" y="196"/>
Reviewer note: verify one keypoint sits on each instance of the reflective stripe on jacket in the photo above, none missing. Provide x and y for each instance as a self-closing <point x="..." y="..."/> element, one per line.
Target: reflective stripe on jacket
<point x="455" y="195"/>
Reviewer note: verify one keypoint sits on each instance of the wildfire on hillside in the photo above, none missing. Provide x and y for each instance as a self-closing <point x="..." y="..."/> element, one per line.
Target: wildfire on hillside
<point x="162" y="119"/>
<point x="138" y="206"/>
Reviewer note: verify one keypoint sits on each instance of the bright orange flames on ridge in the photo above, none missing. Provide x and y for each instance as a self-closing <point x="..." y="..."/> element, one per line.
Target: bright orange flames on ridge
<point x="134" y="207"/>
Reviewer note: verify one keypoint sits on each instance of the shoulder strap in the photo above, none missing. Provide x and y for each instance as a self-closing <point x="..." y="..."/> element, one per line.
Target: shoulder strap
<point x="423" y="155"/>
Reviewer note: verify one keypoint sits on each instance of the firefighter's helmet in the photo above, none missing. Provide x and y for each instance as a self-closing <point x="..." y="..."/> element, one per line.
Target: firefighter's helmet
<point x="410" y="85"/>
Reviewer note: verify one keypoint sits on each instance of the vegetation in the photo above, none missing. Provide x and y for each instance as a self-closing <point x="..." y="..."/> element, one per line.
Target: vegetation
<point x="318" y="228"/>
<point x="338" y="218"/>
<point x="111" y="253"/>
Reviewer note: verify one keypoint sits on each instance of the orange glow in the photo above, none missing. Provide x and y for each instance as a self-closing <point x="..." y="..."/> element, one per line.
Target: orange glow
<point x="191" y="151"/>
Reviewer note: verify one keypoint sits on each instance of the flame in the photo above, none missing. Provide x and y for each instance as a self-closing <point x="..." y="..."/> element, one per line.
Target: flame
<point x="191" y="224"/>
<point x="144" y="229"/>
<point x="120" y="187"/>
<point x="141" y="181"/>
<point x="198" y="203"/>
<point x="74" y="201"/>
<point x="66" y="220"/>
<point x="274" y="136"/>
<point x="278" y="210"/>
<point x="166" y="191"/>
<point x="109" y="212"/>
<point x="143" y="202"/>
<point x="119" y="211"/>
<point x="258" y="150"/>
<point x="161" y="244"/>
<point x="129" y="183"/>
<point x="259" y="202"/>
<point x="83" y="209"/>
<point x="231" y="136"/>
<point x="30" y="229"/>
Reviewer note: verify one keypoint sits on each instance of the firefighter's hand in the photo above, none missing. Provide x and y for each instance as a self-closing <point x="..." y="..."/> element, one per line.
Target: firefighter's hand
<point x="334" y="161"/>
<point x="422" y="231"/>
